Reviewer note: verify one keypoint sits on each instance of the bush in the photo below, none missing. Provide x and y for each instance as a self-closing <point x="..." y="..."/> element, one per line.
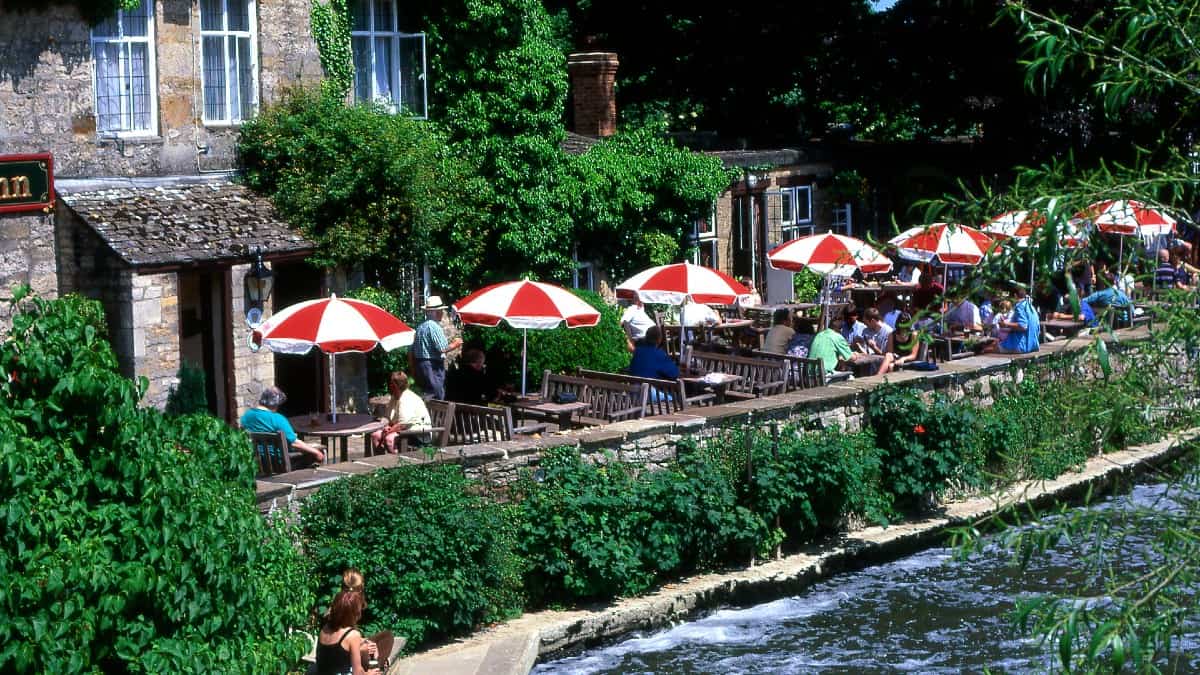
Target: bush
<point x="923" y="445"/>
<point x="131" y="541"/>
<point x="603" y="530"/>
<point x="560" y="350"/>
<point x="188" y="396"/>
<point x="806" y="286"/>
<point x="438" y="559"/>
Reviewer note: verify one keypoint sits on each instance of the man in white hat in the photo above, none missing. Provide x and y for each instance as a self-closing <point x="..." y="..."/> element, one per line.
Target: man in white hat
<point x="429" y="350"/>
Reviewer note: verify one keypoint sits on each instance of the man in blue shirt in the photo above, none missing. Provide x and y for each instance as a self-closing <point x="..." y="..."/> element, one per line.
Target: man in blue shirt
<point x="1024" y="330"/>
<point x="649" y="359"/>
<point x="266" y="419"/>
<point x="429" y="351"/>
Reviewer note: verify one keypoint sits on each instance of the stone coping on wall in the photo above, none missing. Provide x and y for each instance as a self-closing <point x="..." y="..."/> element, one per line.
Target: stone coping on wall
<point x="508" y="456"/>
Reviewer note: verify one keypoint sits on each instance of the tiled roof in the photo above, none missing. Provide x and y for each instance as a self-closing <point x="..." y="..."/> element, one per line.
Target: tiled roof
<point x="751" y="158"/>
<point x="163" y="222"/>
<point x="577" y="144"/>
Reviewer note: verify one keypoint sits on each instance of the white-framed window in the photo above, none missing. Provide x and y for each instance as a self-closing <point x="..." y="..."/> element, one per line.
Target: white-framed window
<point x="704" y="240"/>
<point x="389" y="65"/>
<point x="123" y="52"/>
<point x="229" y="54"/>
<point x="843" y="218"/>
<point x="795" y="212"/>
<point x="583" y="276"/>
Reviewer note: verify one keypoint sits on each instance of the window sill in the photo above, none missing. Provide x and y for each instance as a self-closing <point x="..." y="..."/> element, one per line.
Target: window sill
<point x="222" y="125"/>
<point x="140" y="139"/>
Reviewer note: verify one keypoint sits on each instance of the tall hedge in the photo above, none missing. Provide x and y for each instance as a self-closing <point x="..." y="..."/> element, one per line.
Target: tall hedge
<point x="129" y="541"/>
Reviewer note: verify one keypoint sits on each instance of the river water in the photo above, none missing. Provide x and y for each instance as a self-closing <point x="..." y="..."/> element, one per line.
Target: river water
<point x="925" y="613"/>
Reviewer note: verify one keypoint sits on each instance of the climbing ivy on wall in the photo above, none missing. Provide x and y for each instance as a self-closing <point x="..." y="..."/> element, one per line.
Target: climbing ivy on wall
<point x="331" y="31"/>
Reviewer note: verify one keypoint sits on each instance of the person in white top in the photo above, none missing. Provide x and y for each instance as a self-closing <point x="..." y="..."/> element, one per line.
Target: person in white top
<point x="752" y="299"/>
<point x="635" y="321"/>
<point x="964" y="315"/>
<point x="697" y="314"/>
<point x="405" y="412"/>
<point x="910" y="273"/>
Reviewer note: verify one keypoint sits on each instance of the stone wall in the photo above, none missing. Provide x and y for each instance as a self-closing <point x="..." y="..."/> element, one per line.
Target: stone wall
<point x="154" y="309"/>
<point x="47" y="94"/>
<point x="26" y="256"/>
<point x="252" y="371"/>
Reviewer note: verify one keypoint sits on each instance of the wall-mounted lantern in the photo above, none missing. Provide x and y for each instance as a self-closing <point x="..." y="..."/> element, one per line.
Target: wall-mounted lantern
<point x="258" y="282"/>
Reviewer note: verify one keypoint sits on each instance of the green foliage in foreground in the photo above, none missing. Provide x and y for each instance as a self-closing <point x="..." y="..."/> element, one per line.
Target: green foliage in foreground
<point x="437" y="559"/>
<point x="130" y="541"/>
<point x="561" y="350"/>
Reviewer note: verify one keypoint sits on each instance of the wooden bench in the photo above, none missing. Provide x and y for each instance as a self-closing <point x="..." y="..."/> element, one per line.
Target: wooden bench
<point x="607" y="401"/>
<point x="664" y="397"/>
<point x="472" y="424"/>
<point x="760" y="377"/>
<point x="273" y="453"/>
<point x="803" y="372"/>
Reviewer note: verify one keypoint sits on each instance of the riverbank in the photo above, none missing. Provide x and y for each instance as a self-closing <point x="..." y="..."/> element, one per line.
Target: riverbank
<point x="513" y="647"/>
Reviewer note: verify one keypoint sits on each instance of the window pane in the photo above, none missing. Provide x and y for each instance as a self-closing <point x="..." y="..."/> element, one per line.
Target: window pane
<point x="108" y="87"/>
<point x="245" y="78"/>
<point x="802" y="204"/>
<point x="360" y="18"/>
<point x="231" y="73"/>
<point x="134" y="21"/>
<point x="385" y="16"/>
<point x="239" y="15"/>
<point x="785" y="208"/>
<point x="385" y="71"/>
<point x="210" y="15"/>
<point x="360" y="47"/>
<point x="412" y="74"/>
<point x="106" y="28"/>
<point x="139" y="85"/>
<point x="213" y="51"/>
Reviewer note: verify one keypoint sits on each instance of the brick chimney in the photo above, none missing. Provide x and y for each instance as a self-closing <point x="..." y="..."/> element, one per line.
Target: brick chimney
<point x="592" y="76"/>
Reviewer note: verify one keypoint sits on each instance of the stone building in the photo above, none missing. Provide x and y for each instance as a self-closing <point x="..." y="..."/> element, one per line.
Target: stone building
<point x="140" y="115"/>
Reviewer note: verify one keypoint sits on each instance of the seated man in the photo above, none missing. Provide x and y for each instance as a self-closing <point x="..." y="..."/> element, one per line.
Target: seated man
<point x="781" y="332"/>
<point x="802" y="340"/>
<point x="1024" y="329"/>
<point x="635" y="321"/>
<point x="265" y="418"/>
<point x="649" y="359"/>
<point x="963" y="315"/>
<point x="852" y="328"/>
<point x="696" y="315"/>
<point x="832" y="349"/>
<point x="874" y="341"/>
<point x="406" y="411"/>
<point x="470" y="382"/>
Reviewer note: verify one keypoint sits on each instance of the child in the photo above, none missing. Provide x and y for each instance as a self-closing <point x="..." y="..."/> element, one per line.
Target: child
<point x="1003" y="309"/>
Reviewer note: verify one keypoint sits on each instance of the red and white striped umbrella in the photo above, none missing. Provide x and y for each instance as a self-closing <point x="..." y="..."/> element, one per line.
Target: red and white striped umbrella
<point x="333" y="325"/>
<point x="828" y="253"/>
<point x="674" y="284"/>
<point x="946" y="243"/>
<point x="1021" y="225"/>
<point x="526" y="304"/>
<point x="1128" y="217"/>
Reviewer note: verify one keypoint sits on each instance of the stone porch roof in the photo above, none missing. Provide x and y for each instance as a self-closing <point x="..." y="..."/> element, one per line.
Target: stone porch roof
<point x="177" y="221"/>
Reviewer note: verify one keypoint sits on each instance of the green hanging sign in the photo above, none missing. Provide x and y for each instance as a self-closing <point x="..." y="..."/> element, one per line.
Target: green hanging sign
<point x="26" y="182"/>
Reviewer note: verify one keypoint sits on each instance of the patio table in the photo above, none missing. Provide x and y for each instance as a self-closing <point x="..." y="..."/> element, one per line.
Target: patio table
<point x="347" y="425"/>
<point x="717" y="383"/>
<point x="559" y="413"/>
<point x="1065" y="327"/>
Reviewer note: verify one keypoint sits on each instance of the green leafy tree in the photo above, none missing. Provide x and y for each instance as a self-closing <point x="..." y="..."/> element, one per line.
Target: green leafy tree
<point x="189" y="395"/>
<point x="131" y="541"/>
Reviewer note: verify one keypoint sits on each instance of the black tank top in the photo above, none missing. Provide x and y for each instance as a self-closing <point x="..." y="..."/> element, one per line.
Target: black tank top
<point x="334" y="659"/>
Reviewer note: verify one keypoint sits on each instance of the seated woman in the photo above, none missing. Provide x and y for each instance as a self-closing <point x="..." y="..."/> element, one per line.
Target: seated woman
<point x="470" y="381"/>
<point x="406" y="412"/>
<point x="802" y="340"/>
<point x="341" y="649"/>
<point x="903" y="346"/>
<point x="266" y="419"/>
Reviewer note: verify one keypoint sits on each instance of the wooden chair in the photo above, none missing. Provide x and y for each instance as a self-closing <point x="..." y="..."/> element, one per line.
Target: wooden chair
<point x="664" y="396"/>
<point x="760" y="377"/>
<point x="484" y="424"/>
<point x="607" y="401"/>
<point x="803" y="373"/>
<point x="273" y="453"/>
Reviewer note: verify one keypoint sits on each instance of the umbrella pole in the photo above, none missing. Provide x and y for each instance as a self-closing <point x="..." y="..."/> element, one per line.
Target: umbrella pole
<point x="333" y="387"/>
<point x="682" y="330"/>
<point x="1031" y="259"/>
<point x="524" y="351"/>
<point x="945" y="281"/>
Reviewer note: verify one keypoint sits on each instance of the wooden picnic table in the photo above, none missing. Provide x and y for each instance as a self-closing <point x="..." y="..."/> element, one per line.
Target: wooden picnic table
<point x="322" y="426"/>
<point x="1066" y="327"/>
<point x="717" y="383"/>
<point x="559" y="413"/>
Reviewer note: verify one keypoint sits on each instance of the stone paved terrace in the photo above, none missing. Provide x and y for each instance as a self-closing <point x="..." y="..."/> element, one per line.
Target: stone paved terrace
<point x="652" y="440"/>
